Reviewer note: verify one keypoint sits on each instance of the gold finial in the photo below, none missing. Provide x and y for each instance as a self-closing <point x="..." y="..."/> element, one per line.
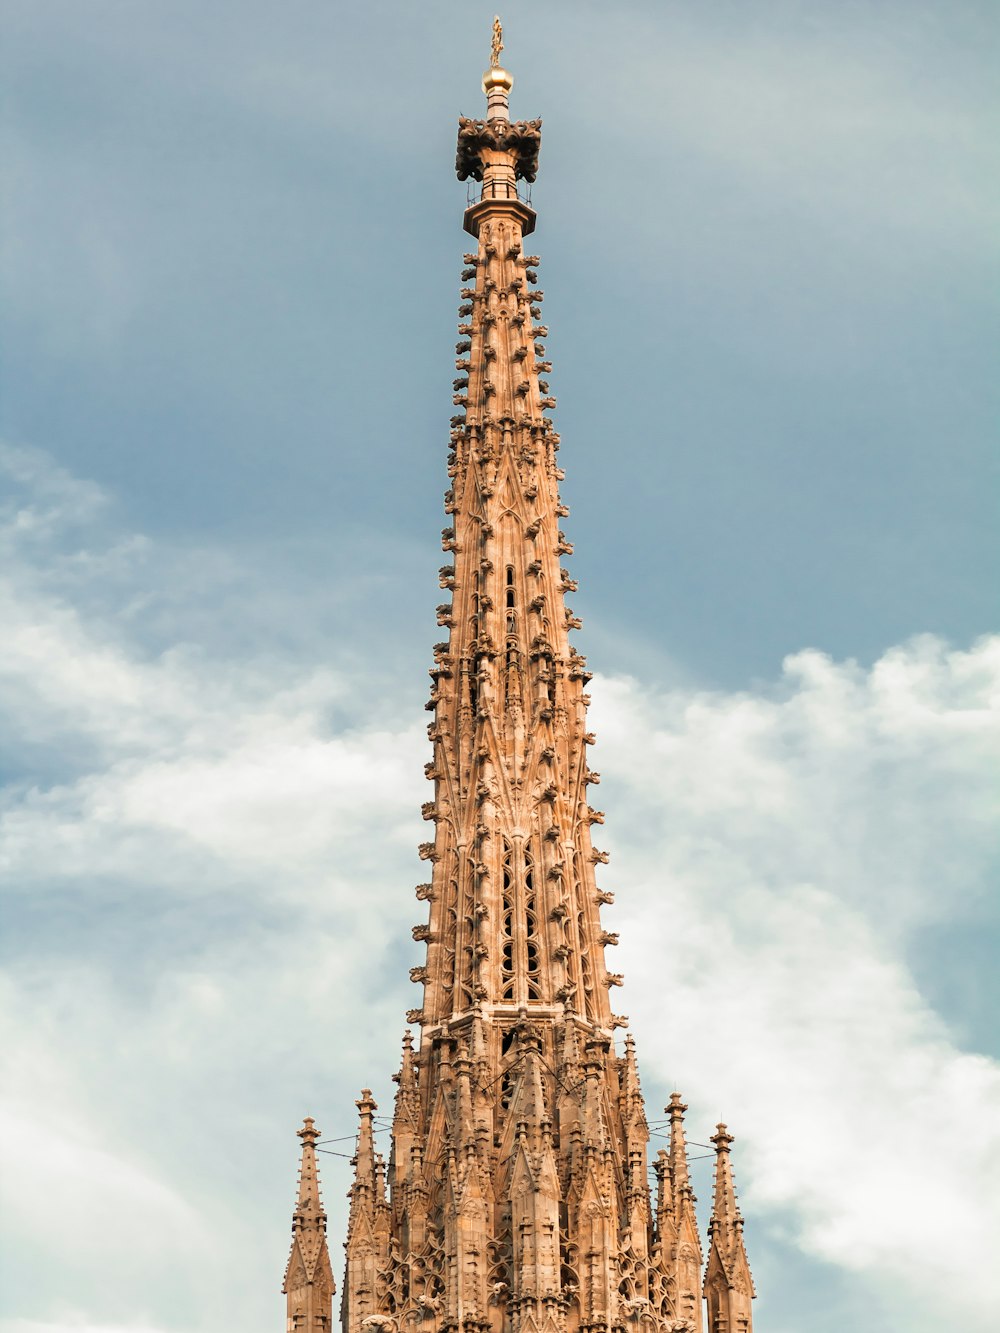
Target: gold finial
<point x="497" y="82"/>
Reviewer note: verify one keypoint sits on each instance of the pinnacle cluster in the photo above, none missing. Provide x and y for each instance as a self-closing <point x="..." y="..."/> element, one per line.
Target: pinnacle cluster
<point x="518" y="1194"/>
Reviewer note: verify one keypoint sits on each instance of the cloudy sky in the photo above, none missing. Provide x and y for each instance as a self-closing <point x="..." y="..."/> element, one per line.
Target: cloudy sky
<point x="231" y="246"/>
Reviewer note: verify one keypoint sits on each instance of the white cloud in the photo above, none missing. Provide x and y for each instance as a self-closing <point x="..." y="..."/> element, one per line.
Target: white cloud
<point x="780" y="848"/>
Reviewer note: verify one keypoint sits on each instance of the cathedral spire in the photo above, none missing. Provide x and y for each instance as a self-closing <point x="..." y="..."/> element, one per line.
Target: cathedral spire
<point x="729" y="1285"/>
<point x="518" y="1190"/>
<point x="309" y="1284"/>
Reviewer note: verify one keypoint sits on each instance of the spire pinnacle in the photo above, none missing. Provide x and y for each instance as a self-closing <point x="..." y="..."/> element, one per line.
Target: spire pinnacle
<point x="678" y="1148"/>
<point x="725" y="1211"/>
<point x="365" y="1154"/>
<point x="309" y="1175"/>
<point x="728" y="1283"/>
<point x="407" y="1076"/>
<point x="309" y="1283"/>
<point x="683" y="1222"/>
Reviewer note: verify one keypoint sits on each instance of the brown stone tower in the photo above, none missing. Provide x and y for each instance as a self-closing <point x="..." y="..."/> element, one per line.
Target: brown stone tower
<point x="518" y="1195"/>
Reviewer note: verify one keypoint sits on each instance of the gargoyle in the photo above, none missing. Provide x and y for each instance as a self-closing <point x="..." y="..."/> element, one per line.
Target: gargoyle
<point x="379" y="1323"/>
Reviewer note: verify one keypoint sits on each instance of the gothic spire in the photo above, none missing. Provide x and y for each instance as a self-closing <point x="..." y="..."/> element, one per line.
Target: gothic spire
<point x="309" y="1284"/>
<point x="518" y="1192"/>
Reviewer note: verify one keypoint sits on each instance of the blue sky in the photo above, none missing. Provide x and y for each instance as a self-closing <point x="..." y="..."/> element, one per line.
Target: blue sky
<point x="231" y="247"/>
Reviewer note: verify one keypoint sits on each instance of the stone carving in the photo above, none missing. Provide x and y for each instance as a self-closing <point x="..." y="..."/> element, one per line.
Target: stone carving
<point x="379" y="1323"/>
<point x="496" y="43"/>
<point x="521" y="139"/>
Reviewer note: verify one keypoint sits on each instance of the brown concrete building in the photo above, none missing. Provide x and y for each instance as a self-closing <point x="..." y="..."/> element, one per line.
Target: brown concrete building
<point x="517" y="1197"/>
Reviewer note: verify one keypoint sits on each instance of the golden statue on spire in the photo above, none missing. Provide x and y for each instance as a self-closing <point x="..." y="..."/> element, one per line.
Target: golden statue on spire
<point x="496" y="45"/>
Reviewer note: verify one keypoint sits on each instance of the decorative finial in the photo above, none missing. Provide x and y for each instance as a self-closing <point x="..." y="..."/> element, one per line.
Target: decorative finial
<point x="497" y="82"/>
<point x="308" y="1133"/>
<point x="497" y="44"/>
<point x="721" y="1138"/>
